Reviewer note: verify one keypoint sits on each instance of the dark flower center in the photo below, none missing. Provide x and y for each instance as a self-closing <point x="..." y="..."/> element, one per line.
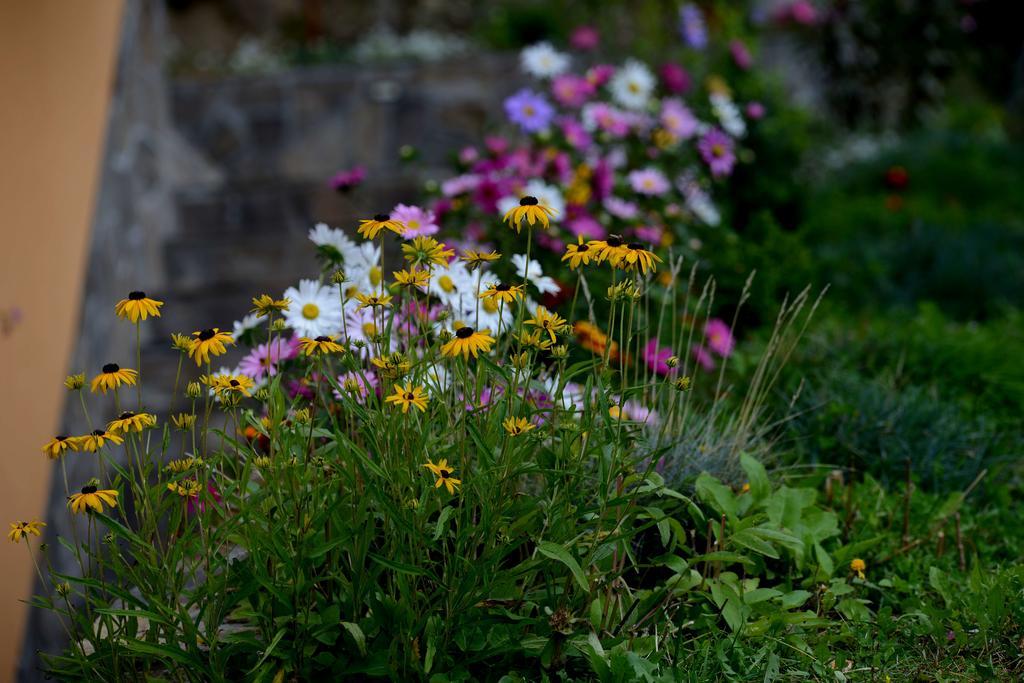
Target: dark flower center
<point x="381" y="217"/>
<point x="635" y="246"/>
<point x="62" y="437"/>
<point x="135" y="296"/>
<point x="582" y="248"/>
<point x="528" y="201"/>
<point x="88" y="489"/>
<point x="98" y="432"/>
<point x="464" y="332"/>
<point x="614" y="241"/>
<point x="125" y="415"/>
<point x="111" y="367"/>
<point x="444" y="474"/>
<point x="409" y="396"/>
<point x="502" y="287"/>
<point x="206" y="335"/>
<point x="322" y="339"/>
<point x="234" y="382"/>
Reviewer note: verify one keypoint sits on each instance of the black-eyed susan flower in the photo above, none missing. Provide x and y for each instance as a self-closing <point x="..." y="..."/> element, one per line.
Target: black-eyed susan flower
<point x="412" y="278"/>
<point x="858" y="567"/>
<point x="635" y="256"/>
<point x="57" y="446"/>
<point x="444" y="473"/>
<point x="92" y="497"/>
<point x="137" y="306"/>
<point x="184" y="421"/>
<point x="371" y="227"/>
<point x="466" y="342"/>
<point x="97" y="439"/>
<point x="529" y="210"/>
<point x="549" y="322"/>
<point x="226" y="384"/>
<point x="183" y="465"/>
<point x="533" y="340"/>
<point x="578" y="254"/>
<point x="207" y="343"/>
<point x="611" y="250"/>
<point x="475" y="259"/>
<point x="372" y="301"/>
<point x="20" y="530"/>
<point x="265" y="305"/>
<point x="181" y="342"/>
<point x="517" y="425"/>
<point x="189" y="488"/>
<point x="112" y="377"/>
<point x="408" y="395"/>
<point x="131" y="422"/>
<point x="319" y="346"/>
<point x="74" y="382"/>
<point x="392" y="366"/>
<point x="500" y="291"/>
<point x="426" y="251"/>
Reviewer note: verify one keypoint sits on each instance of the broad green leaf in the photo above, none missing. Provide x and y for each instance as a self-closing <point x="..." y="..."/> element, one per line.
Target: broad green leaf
<point x="557" y="552"/>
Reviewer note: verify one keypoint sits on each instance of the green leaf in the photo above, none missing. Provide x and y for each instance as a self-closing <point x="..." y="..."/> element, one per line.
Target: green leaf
<point x="747" y="539"/>
<point x="757" y="477"/>
<point x="794" y="599"/>
<point x="716" y="494"/>
<point x="357" y="635"/>
<point x="557" y="552"/>
<point x="270" y="648"/>
<point x="442" y="520"/>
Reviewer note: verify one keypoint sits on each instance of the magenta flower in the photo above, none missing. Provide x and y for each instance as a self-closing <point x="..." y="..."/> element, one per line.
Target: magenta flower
<point x="575" y="134"/>
<point x="600" y="74"/>
<point x="571" y="91"/>
<point x="649" y="181"/>
<point x="620" y="208"/>
<point x="343" y="181"/>
<point x="496" y="144"/>
<point x="264" y="359"/>
<point x="719" y="337"/>
<point x="703" y="357"/>
<point x="740" y="54"/>
<point x="418" y="222"/>
<point x="656" y="357"/>
<point x="716" y="148"/>
<point x="602" y="116"/>
<point x="649" y="233"/>
<point x="586" y="225"/>
<point x="674" y="78"/>
<point x="755" y="111"/>
<point x="603" y="179"/>
<point x="460" y="184"/>
<point x="803" y="12"/>
<point x="468" y="155"/>
<point x="584" y="38"/>
<point x="677" y="119"/>
<point x="529" y="110"/>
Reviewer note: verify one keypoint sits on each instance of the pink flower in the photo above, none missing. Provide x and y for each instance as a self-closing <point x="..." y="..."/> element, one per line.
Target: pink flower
<point x="677" y="118"/>
<point x="755" y="111"/>
<point x="620" y="208"/>
<point x="674" y="78"/>
<point x="418" y="222"/>
<point x="343" y="181"/>
<point x="356" y="384"/>
<point x="496" y="144"/>
<point x="575" y="134"/>
<point x="717" y="150"/>
<point x="603" y="179"/>
<point x="584" y="38"/>
<point x="649" y="181"/>
<point x="703" y="356"/>
<point x="801" y="11"/>
<point x="586" y="225"/>
<point x="740" y="54"/>
<point x="600" y="74"/>
<point x="571" y="91"/>
<point x="656" y="357"/>
<point x="603" y="116"/>
<point x="649" y="233"/>
<point x="468" y="155"/>
<point x="459" y="185"/>
<point x="263" y="360"/>
<point x="719" y="337"/>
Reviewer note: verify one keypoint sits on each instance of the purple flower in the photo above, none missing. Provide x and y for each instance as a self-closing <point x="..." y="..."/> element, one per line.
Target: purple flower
<point x="459" y="185"/>
<point x="717" y="150"/>
<point x="719" y="337"/>
<point x="620" y="208"/>
<point x="575" y="134"/>
<point x="703" y="357"/>
<point x="496" y="144"/>
<point x="649" y="181"/>
<point x="677" y="119"/>
<point x="656" y="357"/>
<point x="529" y="110"/>
<point x="740" y="54"/>
<point x="263" y="360"/>
<point x="571" y="91"/>
<point x="586" y="225"/>
<point x="674" y="78"/>
<point x="692" y="27"/>
<point x="343" y="181"/>
<point x="649" y="233"/>
<point x="600" y="74"/>
<point x="468" y="155"/>
<point x="584" y="38"/>
<point x="603" y="179"/>
<point x="602" y="116"/>
<point x="755" y="111"/>
<point x="418" y="222"/>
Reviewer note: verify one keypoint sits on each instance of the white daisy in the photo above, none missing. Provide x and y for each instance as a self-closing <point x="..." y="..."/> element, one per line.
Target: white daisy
<point x="454" y="285"/>
<point x="728" y="114"/>
<point x="698" y="201"/>
<point x="315" y="309"/>
<point x="491" y="315"/>
<point x="249" y="322"/>
<point x="362" y="268"/>
<point x="362" y="325"/>
<point x="537" y="278"/>
<point x="325" y="236"/>
<point x="632" y="84"/>
<point x="543" y="61"/>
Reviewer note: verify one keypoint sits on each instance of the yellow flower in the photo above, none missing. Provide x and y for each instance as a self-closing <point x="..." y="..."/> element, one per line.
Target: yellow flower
<point x="20" y="530"/>
<point x="371" y="227"/>
<point x="265" y="305"/>
<point x="181" y="342"/>
<point x="468" y="341"/>
<point x="129" y="421"/>
<point x="137" y="306"/>
<point x="475" y="259"/>
<point x="408" y="395"/>
<point x="112" y="377"/>
<point x="184" y="421"/>
<point x="193" y="390"/>
<point x="593" y="339"/>
<point x="229" y="384"/>
<point x="444" y="475"/>
<point x="91" y="497"/>
<point x="56" y="446"/>
<point x="74" y="382"/>
<point x="426" y="251"/>
<point x="858" y="566"/>
<point x="635" y="256"/>
<point x="412" y="278"/>
<point x="516" y="426"/>
<point x="611" y="250"/>
<point x="183" y="465"/>
<point x="391" y="367"/>
<point x="545" y="320"/>
<point x="97" y="439"/>
<point x="207" y="343"/>
<point x="188" y="488"/>
<point x="530" y="210"/>
<point x="577" y="254"/>
<point x="499" y="291"/>
<point x="372" y="300"/>
<point x="533" y="340"/>
<point x="319" y="346"/>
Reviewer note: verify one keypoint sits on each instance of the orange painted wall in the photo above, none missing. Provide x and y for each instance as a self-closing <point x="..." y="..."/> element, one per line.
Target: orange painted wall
<point x="56" y="71"/>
